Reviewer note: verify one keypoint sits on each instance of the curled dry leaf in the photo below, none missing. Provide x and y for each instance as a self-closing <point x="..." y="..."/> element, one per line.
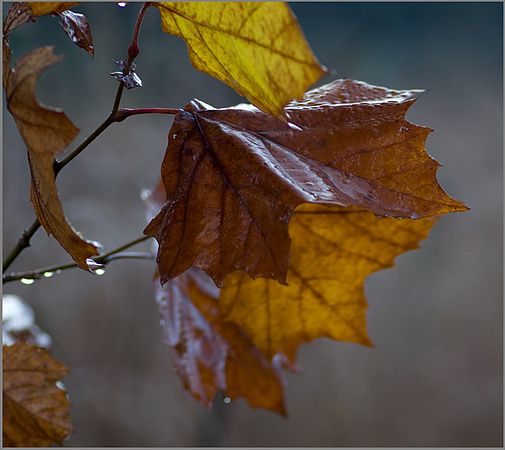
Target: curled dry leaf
<point x="333" y="250"/>
<point x="234" y="176"/>
<point x="36" y="413"/>
<point x="46" y="132"/>
<point x="78" y="30"/>
<point x="211" y="356"/>
<point x="258" y="49"/>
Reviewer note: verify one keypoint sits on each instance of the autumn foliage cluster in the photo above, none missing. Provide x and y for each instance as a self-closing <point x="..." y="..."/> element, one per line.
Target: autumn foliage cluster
<point x="268" y="216"/>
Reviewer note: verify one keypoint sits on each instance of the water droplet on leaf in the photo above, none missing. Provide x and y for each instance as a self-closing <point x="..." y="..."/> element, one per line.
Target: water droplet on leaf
<point x="227" y="400"/>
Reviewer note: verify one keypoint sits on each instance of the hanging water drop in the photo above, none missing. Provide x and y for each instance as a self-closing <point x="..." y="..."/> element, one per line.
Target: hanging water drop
<point x="227" y="400"/>
<point x="99" y="272"/>
<point x="27" y="280"/>
<point x="121" y="4"/>
<point x="48" y="274"/>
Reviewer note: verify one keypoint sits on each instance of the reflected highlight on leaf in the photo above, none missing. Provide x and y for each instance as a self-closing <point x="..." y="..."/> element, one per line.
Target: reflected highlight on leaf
<point x="234" y="176"/>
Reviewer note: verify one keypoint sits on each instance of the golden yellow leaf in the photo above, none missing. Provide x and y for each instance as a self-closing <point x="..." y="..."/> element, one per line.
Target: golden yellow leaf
<point x="42" y="8"/>
<point x="36" y="413"/>
<point x="333" y="250"/>
<point x="46" y="132"/>
<point x="257" y="48"/>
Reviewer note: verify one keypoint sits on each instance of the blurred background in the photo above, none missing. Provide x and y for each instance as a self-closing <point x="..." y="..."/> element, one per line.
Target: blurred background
<point x="434" y="377"/>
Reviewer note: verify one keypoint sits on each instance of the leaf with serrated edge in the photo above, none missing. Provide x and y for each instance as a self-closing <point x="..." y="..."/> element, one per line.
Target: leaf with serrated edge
<point x="36" y="413"/>
<point x="333" y="250"/>
<point x="46" y="132"/>
<point x="234" y="176"/>
<point x="257" y="48"/>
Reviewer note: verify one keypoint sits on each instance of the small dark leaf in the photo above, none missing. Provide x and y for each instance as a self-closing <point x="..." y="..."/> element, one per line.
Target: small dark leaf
<point x="78" y="30"/>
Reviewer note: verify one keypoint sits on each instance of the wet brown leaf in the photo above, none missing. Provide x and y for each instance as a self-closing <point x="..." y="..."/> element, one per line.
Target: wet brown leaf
<point x="78" y="30"/>
<point x="46" y="132"/>
<point x="35" y="410"/>
<point x="234" y="176"/>
<point x="211" y="356"/>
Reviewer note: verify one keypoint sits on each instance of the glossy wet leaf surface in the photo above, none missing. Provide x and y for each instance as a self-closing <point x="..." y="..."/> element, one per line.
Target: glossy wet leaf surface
<point x="78" y="30"/>
<point x="257" y="48"/>
<point x="211" y="356"/>
<point x="234" y="176"/>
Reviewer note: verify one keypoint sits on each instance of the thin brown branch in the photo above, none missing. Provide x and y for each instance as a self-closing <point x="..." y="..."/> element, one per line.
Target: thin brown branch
<point x="124" y="113"/>
<point x="24" y="240"/>
<point x="102" y="260"/>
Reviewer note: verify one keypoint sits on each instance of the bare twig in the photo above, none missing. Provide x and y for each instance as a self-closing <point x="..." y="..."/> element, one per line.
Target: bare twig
<point x="117" y="253"/>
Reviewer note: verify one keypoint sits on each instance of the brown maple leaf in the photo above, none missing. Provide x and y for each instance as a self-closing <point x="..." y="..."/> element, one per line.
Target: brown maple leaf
<point x="209" y="355"/>
<point x="35" y="410"/>
<point x="234" y="176"/>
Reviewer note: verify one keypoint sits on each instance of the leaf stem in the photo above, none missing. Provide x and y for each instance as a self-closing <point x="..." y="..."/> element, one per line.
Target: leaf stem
<point x="124" y="113"/>
<point x="58" y="165"/>
<point x="117" y="253"/>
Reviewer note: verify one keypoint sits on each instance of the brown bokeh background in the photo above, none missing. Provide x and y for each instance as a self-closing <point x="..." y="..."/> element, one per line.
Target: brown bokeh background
<point x="434" y="377"/>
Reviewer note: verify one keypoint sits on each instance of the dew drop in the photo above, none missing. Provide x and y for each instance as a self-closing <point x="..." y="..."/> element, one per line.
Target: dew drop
<point x="27" y="280"/>
<point x="174" y="136"/>
<point x="227" y="400"/>
<point x="121" y="4"/>
<point x="48" y="274"/>
<point x="99" y="272"/>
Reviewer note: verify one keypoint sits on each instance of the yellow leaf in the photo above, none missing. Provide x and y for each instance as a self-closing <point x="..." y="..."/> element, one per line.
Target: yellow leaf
<point x="332" y="252"/>
<point x="36" y="413"/>
<point x="46" y="132"/>
<point x="42" y="8"/>
<point x="256" y="48"/>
